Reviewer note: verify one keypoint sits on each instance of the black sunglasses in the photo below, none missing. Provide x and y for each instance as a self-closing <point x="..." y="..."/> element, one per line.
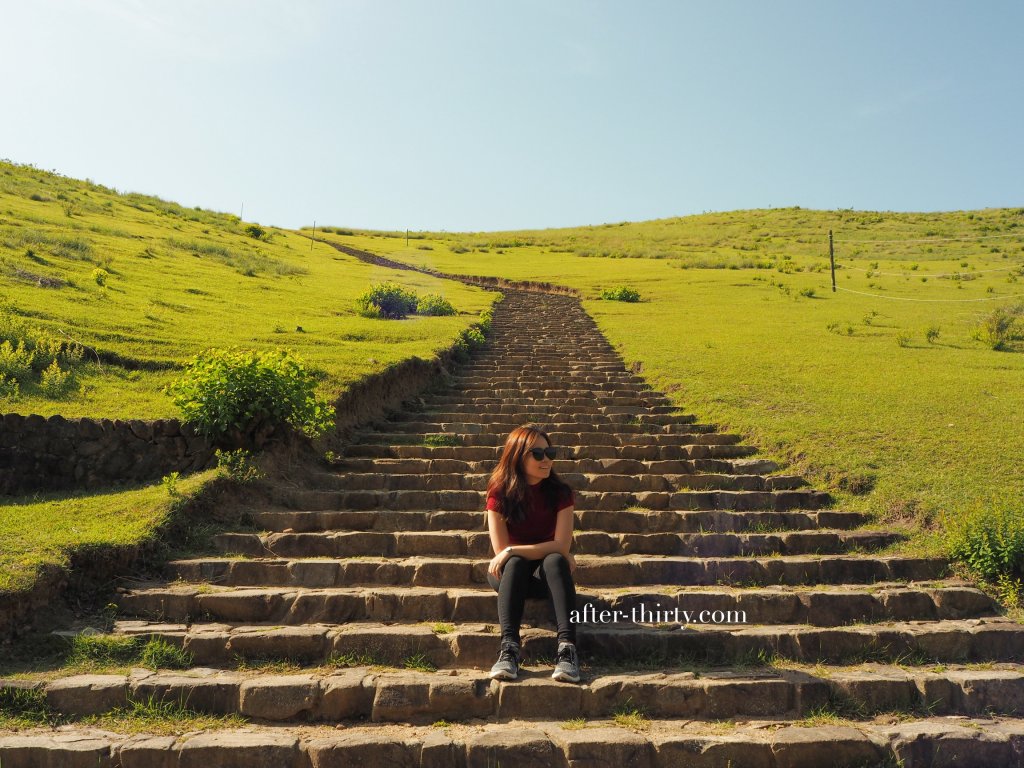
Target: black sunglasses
<point x="540" y="453"/>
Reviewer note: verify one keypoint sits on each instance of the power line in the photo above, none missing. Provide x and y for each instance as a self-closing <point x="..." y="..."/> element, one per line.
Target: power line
<point x="931" y="274"/>
<point x="952" y="301"/>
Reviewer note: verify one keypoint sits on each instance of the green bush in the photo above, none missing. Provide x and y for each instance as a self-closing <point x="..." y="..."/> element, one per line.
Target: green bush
<point x="235" y="395"/>
<point x="620" y="293"/>
<point x="434" y="304"/>
<point x="239" y="465"/>
<point x="9" y="388"/>
<point x="387" y="300"/>
<point x="16" y="362"/>
<point x="100" y="275"/>
<point x="988" y="537"/>
<point x="998" y="328"/>
<point x="55" y="382"/>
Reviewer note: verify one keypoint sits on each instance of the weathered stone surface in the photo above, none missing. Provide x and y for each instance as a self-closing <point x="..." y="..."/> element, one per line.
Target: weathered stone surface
<point x="828" y="745"/>
<point x="87" y="694"/>
<point x="66" y="748"/>
<point x="363" y="750"/>
<point x="279" y="697"/>
<point x="605" y="748"/>
<point x="239" y="749"/>
<point x="521" y="747"/>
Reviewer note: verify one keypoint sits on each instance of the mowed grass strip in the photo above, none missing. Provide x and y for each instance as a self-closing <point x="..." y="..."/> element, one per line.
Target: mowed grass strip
<point x="178" y="280"/>
<point x="39" y="533"/>
<point x="738" y="323"/>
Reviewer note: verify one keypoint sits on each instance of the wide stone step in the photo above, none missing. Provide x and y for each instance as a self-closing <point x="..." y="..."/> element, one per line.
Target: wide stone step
<point x="469" y="645"/>
<point x="595" y="396"/>
<point x="564" y="466"/>
<point x="632" y="521"/>
<point x="469" y="500"/>
<point x="696" y="450"/>
<point x="621" y="571"/>
<point x="403" y="696"/>
<point x="496" y="425"/>
<point x="939" y="742"/>
<point x="468" y="544"/>
<point x="516" y="414"/>
<point x="834" y="606"/>
<point x="487" y="403"/>
<point x="598" y="483"/>
<point x="571" y="440"/>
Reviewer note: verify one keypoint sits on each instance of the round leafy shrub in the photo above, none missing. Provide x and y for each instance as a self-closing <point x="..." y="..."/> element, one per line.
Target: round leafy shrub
<point x="388" y="300"/>
<point x="988" y="537"/>
<point x="434" y="304"/>
<point x="620" y="293"/>
<point x="239" y="397"/>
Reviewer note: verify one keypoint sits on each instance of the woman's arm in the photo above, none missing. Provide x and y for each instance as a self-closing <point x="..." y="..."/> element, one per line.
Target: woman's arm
<point x="499" y="541"/>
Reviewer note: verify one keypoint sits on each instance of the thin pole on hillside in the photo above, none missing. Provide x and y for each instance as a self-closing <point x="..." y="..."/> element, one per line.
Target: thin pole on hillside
<point x="832" y="258"/>
<point x="406" y="238"/>
<point x="312" y="239"/>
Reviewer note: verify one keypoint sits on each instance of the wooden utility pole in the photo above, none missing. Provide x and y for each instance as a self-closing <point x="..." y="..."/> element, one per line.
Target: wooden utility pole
<point x="406" y="238"/>
<point x="832" y="259"/>
<point x="312" y="239"/>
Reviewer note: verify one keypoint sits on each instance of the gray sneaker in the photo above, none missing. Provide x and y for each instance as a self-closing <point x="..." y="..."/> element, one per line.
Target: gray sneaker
<point x="567" y="664"/>
<point x="507" y="665"/>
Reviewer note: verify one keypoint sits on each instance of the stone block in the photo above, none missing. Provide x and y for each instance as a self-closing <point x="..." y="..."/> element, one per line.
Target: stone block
<point x="279" y="697"/>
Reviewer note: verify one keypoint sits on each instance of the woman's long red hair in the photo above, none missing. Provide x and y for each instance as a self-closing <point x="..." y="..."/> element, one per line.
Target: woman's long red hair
<point x="508" y="481"/>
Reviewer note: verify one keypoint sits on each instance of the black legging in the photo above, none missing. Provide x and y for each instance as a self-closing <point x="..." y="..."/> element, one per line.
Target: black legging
<point x="522" y="578"/>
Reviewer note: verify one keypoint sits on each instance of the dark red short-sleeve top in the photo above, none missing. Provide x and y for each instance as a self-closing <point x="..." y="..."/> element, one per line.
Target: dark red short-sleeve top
<point x="541" y="516"/>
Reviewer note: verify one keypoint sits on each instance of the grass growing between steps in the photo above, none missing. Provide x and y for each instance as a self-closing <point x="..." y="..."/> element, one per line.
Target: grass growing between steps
<point x="22" y="709"/>
<point x="37" y="534"/>
<point x="144" y="284"/>
<point x="738" y="324"/>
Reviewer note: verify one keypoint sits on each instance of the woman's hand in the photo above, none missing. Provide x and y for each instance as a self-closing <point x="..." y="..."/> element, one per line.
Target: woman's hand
<point x="572" y="562"/>
<point x="497" y="563"/>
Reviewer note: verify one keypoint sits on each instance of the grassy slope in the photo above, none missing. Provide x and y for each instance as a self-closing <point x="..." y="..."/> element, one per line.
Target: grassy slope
<point x="37" y="533"/>
<point x="182" y="280"/>
<point x="931" y="424"/>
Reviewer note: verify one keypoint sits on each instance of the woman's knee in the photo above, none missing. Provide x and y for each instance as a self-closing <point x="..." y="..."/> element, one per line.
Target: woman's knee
<point x="556" y="562"/>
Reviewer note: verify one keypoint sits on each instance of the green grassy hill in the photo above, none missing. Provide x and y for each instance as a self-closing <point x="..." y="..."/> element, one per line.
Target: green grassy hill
<point x="143" y="284"/>
<point x="739" y="323"/>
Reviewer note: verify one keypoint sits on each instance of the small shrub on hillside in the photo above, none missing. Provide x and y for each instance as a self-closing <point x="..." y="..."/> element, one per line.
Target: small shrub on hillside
<point x="998" y="328"/>
<point x="931" y="333"/>
<point x="387" y="300"/>
<point x="9" y="388"/>
<point x="903" y="339"/>
<point x="807" y="293"/>
<point x="239" y="396"/>
<point x="434" y="304"/>
<point x="620" y="293"/>
<point x="100" y="275"/>
<point x="16" y="362"/>
<point x="239" y="465"/>
<point x="988" y="537"/>
<point x="56" y="383"/>
<point x="255" y="231"/>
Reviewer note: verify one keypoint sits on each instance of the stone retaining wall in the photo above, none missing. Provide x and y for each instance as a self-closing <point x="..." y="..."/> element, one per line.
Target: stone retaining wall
<point x="54" y="454"/>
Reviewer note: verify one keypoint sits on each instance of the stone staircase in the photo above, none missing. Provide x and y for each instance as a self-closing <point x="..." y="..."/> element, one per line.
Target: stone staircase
<point x="829" y="652"/>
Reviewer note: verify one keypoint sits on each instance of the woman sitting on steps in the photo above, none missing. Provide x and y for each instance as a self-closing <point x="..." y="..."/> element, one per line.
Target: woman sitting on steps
<point x="530" y="519"/>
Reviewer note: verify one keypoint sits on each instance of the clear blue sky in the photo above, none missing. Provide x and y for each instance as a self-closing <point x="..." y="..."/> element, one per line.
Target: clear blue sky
<point x="484" y="115"/>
